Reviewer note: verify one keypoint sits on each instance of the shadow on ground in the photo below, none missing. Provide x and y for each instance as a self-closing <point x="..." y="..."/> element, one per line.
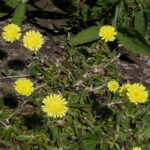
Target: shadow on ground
<point x="101" y="112"/>
<point x="62" y="4"/>
<point x="33" y="121"/>
<point x="125" y="57"/>
<point x="3" y="55"/>
<point x="10" y="100"/>
<point x="17" y="64"/>
<point x="47" y="16"/>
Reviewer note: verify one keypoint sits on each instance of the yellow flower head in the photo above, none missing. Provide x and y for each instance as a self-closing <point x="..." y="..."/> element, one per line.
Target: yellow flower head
<point x="113" y="86"/>
<point x="107" y="33"/>
<point x="123" y="107"/>
<point x="55" y="106"/>
<point x="123" y="90"/>
<point x="24" y="86"/>
<point x="140" y="5"/>
<point x="50" y="68"/>
<point x="137" y="148"/>
<point x="137" y="93"/>
<point x="11" y="32"/>
<point x="33" y="40"/>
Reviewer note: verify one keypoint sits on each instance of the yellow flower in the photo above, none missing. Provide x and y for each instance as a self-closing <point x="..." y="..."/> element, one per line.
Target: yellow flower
<point x="55" y="106"/>
<point x="123" y="107"/>
<point x="33" y="40"/>
<point x="137" y="93"/>
<point x="113" y="85"/>
<point x="137" y="148"/>
<point x="107" y="33"/>
<point x="140" y="5"/>
<point x="24" y="86"/>
<point x="50" y="68"/>
<point x="123" y="90"/>
<point x="11" y="32"/>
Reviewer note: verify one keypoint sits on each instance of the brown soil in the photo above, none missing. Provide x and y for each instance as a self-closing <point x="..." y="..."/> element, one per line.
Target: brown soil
<point x="135" y="68"/>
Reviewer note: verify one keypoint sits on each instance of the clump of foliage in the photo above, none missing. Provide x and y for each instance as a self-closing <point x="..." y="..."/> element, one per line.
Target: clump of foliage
<point x="17" y="7"/>
<point x="91" y="111"/>
<point x="123" y="15"/>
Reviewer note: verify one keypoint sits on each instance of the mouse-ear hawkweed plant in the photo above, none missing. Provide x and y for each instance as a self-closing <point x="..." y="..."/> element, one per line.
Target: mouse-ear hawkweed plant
<point x="33" y="40"/>
<point x="11" y="32"/>
<point x="135" y="93"/>
<point x="55" y="106"/>
<point x="24" y="86"/>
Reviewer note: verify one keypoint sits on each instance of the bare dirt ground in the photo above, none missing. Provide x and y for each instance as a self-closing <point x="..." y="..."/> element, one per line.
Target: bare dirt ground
<point x="135" y="68"/>
<point x="49" y="19"/>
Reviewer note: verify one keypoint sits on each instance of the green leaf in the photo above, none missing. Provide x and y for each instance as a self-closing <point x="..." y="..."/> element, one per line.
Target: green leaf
<point x="32" y="70"/>
<point x="145" y="133"/>
<point x="2" y="14"/>
<point x="19" y="14"/>
<point x="11" y="3"/>
<point x="90" y="142"/>
<point x="140" y="22"/>
<point x="147" y="10"/>
<point x="88" y="145"/>
<point x="88" y="35"/>
<point x="84" y="12"/>
<point x="27" y="145"/>
<point x="79" y="105"/>
<point x="6" y="70"/>
<point x="74" y="146"/>
<point x="55" y="132"/>
<point x="49" y="147"/>
<point x="133" y="41"/>
<point x="6" y="6"/>
<point x="117" y="14"/>
<point x="7" y="143"/>
<point x="23" y="137"/>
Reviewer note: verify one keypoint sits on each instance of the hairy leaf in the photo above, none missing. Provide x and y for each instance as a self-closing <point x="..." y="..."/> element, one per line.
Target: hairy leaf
<point x="6" y="143"/>
<point x="11" y="3"/>
<point x="140" y="22"/>
<point x="117" y="14"/>
<point x="6" y="6"/>
<point x="23" y="137"/>
<point x="19" y="14"/>
<point x="88" y="35"/>
<point x="133" y="41"/>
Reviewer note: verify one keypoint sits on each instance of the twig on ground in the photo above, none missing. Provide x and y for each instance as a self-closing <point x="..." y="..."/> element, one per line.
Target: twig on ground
<point x="4" y="125"/>
<point x="98" y="88"/>
<point x="9" y="77"/>
<point x="40" y="86"/>
<point x="114" y="103"/>
<point x="91" y="89"/>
